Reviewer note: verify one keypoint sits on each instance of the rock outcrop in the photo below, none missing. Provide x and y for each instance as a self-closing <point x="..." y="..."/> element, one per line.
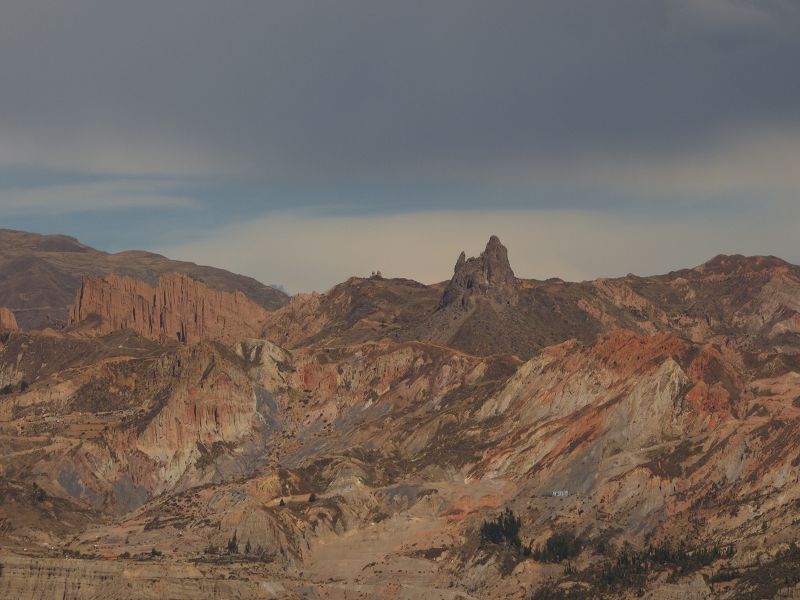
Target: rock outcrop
<point x="8" y="322"/>
<point x="178" y="308"/>
<point x="488" y="275"/>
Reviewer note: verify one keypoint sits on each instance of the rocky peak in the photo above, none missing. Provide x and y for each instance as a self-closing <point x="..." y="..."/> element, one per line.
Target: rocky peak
<point x="178" y="308"/>
<point x="488" y="275"/>
<point x="8" y="322"/>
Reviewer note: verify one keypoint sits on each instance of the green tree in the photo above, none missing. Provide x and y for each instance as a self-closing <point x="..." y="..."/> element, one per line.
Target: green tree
<point x="504" y="529"/>
<point x="233" y="544"/>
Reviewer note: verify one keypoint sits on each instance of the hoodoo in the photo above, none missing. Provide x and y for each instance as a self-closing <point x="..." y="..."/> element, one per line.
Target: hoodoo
<point x="178" y="308"/>
<point x="488" y="275"/>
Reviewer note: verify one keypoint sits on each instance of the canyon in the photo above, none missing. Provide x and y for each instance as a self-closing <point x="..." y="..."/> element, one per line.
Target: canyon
<point x="176" y="435"/>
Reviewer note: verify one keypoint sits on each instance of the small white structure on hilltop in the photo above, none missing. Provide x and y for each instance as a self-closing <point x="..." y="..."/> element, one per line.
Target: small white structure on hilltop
<point x="560" y="493"/>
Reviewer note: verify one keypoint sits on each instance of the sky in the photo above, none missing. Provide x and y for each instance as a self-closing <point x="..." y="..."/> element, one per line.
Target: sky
<point x="303" y="142"/>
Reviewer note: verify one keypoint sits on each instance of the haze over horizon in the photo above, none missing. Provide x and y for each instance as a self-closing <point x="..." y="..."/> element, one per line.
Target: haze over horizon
<point x="303" y="143"/>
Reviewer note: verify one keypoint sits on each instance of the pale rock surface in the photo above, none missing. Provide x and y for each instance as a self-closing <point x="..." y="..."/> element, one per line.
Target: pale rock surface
<point x="8" y="321"/>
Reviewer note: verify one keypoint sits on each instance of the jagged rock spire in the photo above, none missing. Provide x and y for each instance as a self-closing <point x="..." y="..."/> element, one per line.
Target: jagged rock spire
<point x="487" y="275"/>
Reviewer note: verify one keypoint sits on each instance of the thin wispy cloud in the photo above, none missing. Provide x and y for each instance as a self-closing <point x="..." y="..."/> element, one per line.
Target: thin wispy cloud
<point x="85" y="197"/>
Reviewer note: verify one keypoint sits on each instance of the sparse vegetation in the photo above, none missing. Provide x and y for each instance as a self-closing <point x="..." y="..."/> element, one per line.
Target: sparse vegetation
<point x="558" y="547"/>
<point x="724" y="575"/>
<point x="550" y="592"/>
<point x="39" y="495"/>
<point x="631" y="567"/>
<point x="264" y="556"/>
<point x="764" y="580"/>
<point x="233" y="545"/>
<point x="504" y="529"/>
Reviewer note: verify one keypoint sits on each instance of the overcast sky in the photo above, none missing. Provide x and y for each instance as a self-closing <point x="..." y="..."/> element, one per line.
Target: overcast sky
<point x="302" y="142"/>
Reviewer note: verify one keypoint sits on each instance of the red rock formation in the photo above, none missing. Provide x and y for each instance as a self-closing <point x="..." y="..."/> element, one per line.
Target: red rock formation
<point x="8" y="322"/>
<point x="179" y="308"/>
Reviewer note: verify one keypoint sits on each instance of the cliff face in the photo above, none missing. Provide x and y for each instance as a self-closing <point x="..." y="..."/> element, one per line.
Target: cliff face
<point x="8" y="322"/>
<point x="43" y="273"/>
<point x="178" y="308"/>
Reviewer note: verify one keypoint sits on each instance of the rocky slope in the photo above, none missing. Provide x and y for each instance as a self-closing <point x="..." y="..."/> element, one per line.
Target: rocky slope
<point x="382" y="439"/>
<point x="484" y="309"/>
<point x="39" y="275"/>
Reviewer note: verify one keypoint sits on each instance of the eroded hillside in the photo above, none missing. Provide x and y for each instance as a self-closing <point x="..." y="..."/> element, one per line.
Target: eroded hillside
<point x="389" y="439"/>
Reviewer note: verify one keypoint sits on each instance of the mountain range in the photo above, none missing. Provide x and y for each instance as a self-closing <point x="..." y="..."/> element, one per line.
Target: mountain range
<point x="169" y="430"/>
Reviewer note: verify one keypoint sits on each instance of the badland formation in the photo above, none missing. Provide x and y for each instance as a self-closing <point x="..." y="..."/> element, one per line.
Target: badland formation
<point x="175" y="431"/>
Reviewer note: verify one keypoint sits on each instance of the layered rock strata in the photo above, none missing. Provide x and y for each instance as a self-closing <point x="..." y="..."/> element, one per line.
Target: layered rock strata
<point x="179" y="308"/>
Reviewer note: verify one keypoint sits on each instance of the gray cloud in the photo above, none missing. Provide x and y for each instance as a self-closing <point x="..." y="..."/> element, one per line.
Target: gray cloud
<point x="385" y="92"/>
<point x="302" y="142"/>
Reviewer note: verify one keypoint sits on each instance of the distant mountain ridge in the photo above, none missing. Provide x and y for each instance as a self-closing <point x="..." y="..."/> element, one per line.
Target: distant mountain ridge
<point x="39" y="275"/>
<point x="484" y="309"/>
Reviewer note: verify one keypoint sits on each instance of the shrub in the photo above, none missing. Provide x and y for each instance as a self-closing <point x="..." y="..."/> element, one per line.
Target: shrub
<point x="630" y="566"/>
<point x="263" y="555"/>
<point x="233" y="545"/>
<point x="724" y="575"/>
<point x="38" y="493"/>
